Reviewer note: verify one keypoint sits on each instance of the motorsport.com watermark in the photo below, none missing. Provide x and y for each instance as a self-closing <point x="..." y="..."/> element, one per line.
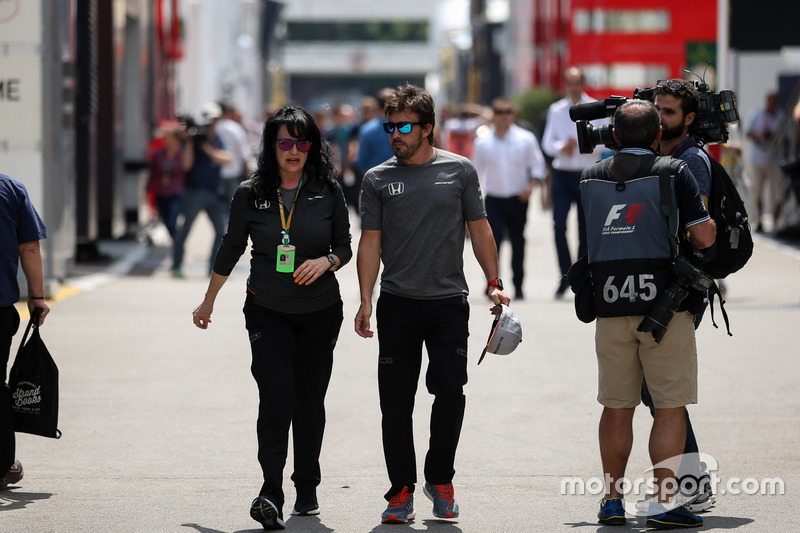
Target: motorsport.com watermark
<point x="687" y="484"/>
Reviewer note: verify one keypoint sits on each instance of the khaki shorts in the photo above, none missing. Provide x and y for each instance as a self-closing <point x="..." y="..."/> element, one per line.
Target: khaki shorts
<point x="625" y="355"/>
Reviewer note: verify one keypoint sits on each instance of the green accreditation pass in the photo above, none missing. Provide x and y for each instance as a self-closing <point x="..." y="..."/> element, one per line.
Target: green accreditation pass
<point x="285" y="258"/>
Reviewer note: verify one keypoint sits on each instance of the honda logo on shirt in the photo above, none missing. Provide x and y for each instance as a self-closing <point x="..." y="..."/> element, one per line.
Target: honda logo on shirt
<point x="396" y="188"/>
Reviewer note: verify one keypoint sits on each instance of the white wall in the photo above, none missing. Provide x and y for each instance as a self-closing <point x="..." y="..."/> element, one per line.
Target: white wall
<point x="754" y="75"/>
<point x="221" y="58"/>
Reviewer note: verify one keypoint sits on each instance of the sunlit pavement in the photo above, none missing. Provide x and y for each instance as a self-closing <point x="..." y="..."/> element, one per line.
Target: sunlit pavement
<point x="159" y="417"/>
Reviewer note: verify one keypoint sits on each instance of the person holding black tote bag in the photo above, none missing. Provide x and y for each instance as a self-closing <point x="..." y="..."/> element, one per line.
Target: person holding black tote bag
<point x="21" y="229"/>
<point x="34" y="385"/>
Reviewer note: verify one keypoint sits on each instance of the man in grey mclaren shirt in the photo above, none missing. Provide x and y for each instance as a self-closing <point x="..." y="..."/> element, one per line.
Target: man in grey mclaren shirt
<point x="413" y="213"/>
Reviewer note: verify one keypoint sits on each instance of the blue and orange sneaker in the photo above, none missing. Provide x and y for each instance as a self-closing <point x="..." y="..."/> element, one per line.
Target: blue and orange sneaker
<point x="444" y="504"/>
<point x="400" y="509"/>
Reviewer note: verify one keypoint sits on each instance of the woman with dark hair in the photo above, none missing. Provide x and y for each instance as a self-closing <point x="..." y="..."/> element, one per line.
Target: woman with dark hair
<point x="294" y="213"/>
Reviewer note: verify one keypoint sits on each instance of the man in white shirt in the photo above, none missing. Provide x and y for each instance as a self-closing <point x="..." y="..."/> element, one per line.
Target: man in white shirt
<point x="560" y="141"/>
<point x="764" y="165"/>
<point x="509" y="161"/>
<point x="234" y="136"/>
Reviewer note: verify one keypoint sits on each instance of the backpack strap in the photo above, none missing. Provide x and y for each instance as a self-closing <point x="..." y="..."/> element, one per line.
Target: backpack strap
<point x="685" y="145"/>
<point x="599" y="171"/>
<point x="665" y="188"/>
<point x="714" y="290"/>
<point x="696" y="143"/>
<point x="667" y="169"/>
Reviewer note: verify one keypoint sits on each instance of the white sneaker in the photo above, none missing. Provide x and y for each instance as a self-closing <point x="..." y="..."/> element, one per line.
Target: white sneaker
<point x="705" y="499"/>
<point x="680" y="500"/>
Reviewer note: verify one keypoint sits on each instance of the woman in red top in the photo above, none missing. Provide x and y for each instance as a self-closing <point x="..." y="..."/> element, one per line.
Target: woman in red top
<point x="167" y="173"/>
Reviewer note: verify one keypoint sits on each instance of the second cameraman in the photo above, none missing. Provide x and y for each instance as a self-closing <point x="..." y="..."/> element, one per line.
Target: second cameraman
<point x="631" y="249"/>
<point x="678" y="102"/>
<point x="204" y="156"/>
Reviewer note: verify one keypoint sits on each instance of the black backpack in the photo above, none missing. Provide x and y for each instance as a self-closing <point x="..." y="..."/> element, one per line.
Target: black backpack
<point x="734" y="241"/>
<point x="667" y="169"/>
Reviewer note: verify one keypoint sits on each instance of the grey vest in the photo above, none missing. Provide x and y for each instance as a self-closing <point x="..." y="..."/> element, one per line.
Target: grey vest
<point x="632" y="224"/>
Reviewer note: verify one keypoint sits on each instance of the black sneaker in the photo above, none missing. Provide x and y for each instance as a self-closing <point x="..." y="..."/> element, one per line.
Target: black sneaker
<point x="661" y="517"/>
<point x="306" y="504"/>
<point x="264" y="512"/>
<point x="612" y="512"/>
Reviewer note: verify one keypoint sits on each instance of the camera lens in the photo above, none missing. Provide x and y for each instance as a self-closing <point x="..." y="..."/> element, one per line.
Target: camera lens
<point x="659" y="317"/>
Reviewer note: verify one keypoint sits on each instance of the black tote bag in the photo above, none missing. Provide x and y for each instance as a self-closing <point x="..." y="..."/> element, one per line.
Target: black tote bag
<point x="34" y="386"/>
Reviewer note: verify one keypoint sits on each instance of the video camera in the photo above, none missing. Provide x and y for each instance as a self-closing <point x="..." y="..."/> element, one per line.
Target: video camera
<point x="192" y="128"/>
<point x="714" y="113"/>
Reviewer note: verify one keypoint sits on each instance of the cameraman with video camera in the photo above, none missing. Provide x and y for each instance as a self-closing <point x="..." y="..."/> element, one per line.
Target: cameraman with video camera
<point x="633" y="214"/>
<point x="678" y="102"/>
<point x="204" y="157"/>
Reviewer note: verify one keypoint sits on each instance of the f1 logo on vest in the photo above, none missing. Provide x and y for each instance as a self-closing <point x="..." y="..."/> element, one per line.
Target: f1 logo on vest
<point x="631" y="216"/>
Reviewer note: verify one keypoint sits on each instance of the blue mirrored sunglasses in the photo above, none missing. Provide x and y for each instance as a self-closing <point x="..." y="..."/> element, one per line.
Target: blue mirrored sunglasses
<point x="402" y="127"/>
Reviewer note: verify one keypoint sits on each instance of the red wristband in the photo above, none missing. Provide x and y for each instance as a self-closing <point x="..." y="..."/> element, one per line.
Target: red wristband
<point x="496" y="283"/>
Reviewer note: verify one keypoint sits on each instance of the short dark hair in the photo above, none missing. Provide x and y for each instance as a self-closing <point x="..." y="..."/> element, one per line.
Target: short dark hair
<point x="414" y="100"/>
<point x="501" y="101"/>
<point x="683" y="90"/>
<point x="636" y="122"/>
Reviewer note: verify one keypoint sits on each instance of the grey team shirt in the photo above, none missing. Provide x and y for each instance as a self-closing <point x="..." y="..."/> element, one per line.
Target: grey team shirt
<point x="420" y="211"/>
